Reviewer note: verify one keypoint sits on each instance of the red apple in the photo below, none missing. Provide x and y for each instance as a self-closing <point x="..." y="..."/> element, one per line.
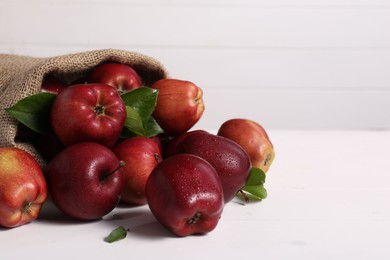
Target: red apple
<point x="253" y="139"/>
<point x="159" y="142"/>
<point x="230" y="161"/>
<point x="85" y="180"/>
<point x="170" y="147"/>
<point x="52" y="85"/>
<point x="23" y="188"/>
<point x="121" y="76"/>
<point x="185" y="195"/>
<point x="88" y="113"/>
<point x="141" y="155"/>
<point x="179" y="105"/>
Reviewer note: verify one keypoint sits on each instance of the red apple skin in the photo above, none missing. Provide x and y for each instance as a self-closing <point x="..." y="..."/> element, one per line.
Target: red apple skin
<point x="85" y="181"/>
<point x="121" y="76"/>
<point x="141" y="155"/>
<point x="52" y="85"/>
<point x="23" y="188"/>
<point x="253" y="139"/>
<point x="158" y="141"/>
<point x="230" y="161"/>
<point x="179" y="105"/>
<point x="185" y="195"/>
<point x="170" y="147"/>
<point x="88" y="113"/>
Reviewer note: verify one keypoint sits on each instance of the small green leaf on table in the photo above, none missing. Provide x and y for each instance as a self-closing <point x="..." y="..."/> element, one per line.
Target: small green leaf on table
<point x="34" y="111"/>
<point x="117" y="234"/>
<point x="254" y="187"/>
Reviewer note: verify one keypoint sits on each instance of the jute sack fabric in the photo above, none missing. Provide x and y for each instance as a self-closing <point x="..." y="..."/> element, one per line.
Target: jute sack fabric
<point x="22" y="76"/>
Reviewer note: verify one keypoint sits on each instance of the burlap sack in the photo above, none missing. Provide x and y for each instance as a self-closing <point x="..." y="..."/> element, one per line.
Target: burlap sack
<point x="22" y="76"/>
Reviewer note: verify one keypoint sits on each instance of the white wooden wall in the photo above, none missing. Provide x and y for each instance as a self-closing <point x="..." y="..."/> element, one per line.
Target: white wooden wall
<point x="288" y="64"/>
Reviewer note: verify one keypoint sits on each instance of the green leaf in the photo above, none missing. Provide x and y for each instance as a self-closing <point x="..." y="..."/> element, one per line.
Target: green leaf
<point x="258" y="193"/>
<point x="142" y="99"/>
<point x="256" y="177"/>
<point x="136" y="126"/>
<point x="140" y="104"/>
<point x="117" y="234"/>
<point x="34" y="111"/>
<point x="254" y="186"/>
<point x="133" y="125"/>
<point x="151" y="127"/>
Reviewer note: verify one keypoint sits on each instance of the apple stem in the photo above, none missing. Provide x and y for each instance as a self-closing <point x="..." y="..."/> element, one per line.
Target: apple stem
<point x="246" y="198"/>
<point x="26" y="206"/>
<point x="120" y="165"/>
<point x="194" y="219"/>
<point x="157" y="157"/>
<point x="99" y="110"/>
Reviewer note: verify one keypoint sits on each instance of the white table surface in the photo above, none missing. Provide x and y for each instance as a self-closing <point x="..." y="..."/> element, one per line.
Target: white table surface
<point x="329" y="198"/>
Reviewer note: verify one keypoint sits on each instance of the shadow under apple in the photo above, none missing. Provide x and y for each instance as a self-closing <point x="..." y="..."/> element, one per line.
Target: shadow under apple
<point x="138" y="222"/>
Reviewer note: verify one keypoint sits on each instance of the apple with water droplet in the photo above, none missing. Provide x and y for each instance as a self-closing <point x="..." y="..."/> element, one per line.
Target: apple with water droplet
<point x="185" y="195"/>
<point x="231" y="162"/>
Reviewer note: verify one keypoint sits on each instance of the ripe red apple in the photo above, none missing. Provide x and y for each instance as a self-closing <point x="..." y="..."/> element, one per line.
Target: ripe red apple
<point x="170" y="147"/>
<point x="184" y="193"/>
<point x="85" y="180"/>
<point x="227" y="157"/>
<point x="253" y="139"/>
<point x="158" y="141"/>
<point x="88" y="113"/>
<point x="141" y="155"/>
<point x="121" y="76"/>
<point x="23" y="188"/>
<point x="179" y="105"/>
<point x="52" y="84"/>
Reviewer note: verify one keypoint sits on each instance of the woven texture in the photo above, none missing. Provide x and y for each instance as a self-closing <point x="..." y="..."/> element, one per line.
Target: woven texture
<point x="22" y="76"/>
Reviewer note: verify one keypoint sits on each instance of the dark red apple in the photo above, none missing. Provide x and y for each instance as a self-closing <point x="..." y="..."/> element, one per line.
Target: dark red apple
<point x="185" y="195"/>
<point x="52" y="84"/>
<point x="179" y="105"/>
<point x="227" y="157"/>
<point x="169" y="148"/>
<point x="121" y="76"/>
<point x="141" y="155"/>
<point x="88" y="113"/>
<point x="157" y="139"/>
<point x="85" y="180"/>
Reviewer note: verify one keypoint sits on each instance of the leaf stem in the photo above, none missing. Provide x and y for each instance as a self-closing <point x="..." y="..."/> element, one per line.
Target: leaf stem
<point x="246" y="198"/>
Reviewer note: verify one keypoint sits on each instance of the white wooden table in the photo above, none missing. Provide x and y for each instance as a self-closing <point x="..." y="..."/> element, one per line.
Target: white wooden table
<point x="329" y="198"/>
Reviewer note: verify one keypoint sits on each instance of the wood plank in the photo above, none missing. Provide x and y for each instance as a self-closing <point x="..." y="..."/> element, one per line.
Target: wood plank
<point x="234" y="26"/>
<point x="299" y="109"/>
<point x="258" y="69"/>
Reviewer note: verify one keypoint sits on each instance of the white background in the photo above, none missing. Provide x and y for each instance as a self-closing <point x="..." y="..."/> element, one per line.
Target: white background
<point x="288" y="64"/>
